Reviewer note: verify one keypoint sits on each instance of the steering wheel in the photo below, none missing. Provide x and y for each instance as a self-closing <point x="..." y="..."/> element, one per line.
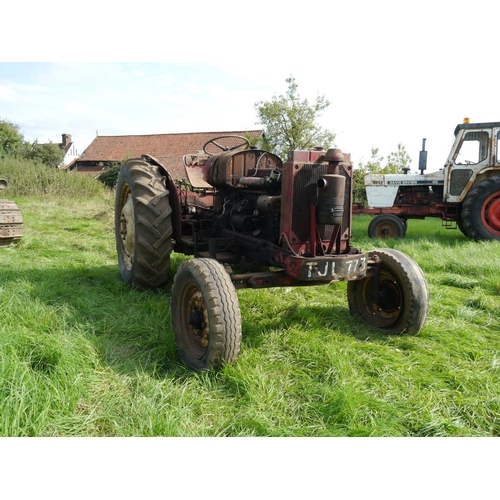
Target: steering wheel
<point x="245" y="143"/>
<point x="468" y="162"/>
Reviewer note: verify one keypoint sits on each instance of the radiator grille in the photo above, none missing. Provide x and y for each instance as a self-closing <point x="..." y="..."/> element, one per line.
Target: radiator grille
<point x="304" y="190"/>
<point x="458" y="179"/>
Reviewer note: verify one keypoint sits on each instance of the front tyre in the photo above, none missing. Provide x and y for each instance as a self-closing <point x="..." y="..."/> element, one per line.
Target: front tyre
<point x="206" y="317"/>
<point x="143" y="226"/>
<point x="481" y="211"/>
<point x="395" y="299"/>
<point x="386" y="226"/>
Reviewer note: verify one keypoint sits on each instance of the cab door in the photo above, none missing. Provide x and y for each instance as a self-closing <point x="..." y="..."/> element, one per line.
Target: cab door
<point x="474" y="151"/>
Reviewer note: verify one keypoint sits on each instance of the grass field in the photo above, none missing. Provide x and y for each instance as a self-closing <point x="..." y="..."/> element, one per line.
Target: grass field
<point x="81" y="354"/>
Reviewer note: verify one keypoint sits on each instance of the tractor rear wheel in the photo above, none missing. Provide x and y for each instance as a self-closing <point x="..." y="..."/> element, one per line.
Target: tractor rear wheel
<point x="396" y="299"/>
<point x="206" y="317"/>
<point x="481" y="210"/>
<point x="386" y="226"/>
<point x="143" y="226"/>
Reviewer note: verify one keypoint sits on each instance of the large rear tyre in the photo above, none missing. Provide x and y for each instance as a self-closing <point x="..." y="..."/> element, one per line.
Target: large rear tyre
<point x="396" y="299"/>
<point x="481" y="211"/>
<point x="460" y="225"/>
<point x="11" y="223"/>
<point x="143" y="226"/>
<point x="206" y="317"/>
<point x="386" y="226"/>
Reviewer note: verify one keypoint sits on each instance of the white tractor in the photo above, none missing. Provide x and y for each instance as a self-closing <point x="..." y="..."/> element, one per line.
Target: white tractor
<point x="465" y="193"/>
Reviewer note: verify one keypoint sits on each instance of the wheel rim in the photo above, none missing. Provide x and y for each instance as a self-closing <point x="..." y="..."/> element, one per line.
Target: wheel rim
<point x="196" y="324"/>
<point x="490" y="214"/>
<point x="383" y="301"/>
<point x="127" y="228"/>
<point x="386" y="230"/>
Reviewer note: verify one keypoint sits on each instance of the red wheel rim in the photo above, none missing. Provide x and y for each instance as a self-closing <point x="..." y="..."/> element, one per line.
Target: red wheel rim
<point x="490" y="214"/>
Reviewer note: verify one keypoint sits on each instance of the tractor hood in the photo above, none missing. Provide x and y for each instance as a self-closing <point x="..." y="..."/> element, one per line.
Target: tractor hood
<point x="226" y="169"/>
<point x="381" y="189"/>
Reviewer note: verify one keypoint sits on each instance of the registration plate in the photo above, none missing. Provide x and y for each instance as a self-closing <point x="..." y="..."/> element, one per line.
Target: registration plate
<point x="334" y="268"/>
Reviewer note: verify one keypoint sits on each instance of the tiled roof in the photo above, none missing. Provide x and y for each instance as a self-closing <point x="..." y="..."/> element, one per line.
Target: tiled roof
<point x="166" y="148"/>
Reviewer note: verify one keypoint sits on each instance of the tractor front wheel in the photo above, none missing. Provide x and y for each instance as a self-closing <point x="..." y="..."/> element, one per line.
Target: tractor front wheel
<point x="206" y="317"/>
<point x="395" y="299"/>
<point x="481" y="211"/>
<point x="386" y="226"/>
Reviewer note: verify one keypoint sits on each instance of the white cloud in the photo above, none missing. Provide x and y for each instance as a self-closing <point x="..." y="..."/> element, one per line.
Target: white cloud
<point x="7" y="94"/>
<point x="193" y="87"/>
<point x="76" y="107"/>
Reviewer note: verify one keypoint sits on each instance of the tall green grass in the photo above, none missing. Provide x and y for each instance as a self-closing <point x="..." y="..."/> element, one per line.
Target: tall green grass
<point x="81" y="354"/>
<point x="28" y="178"/>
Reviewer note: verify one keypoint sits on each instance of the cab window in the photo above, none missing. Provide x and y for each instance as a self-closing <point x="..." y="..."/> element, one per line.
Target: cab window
<point x="474" y="148"/>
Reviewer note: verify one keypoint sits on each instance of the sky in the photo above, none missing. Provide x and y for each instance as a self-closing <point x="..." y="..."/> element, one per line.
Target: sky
<point x="393" y="72"/>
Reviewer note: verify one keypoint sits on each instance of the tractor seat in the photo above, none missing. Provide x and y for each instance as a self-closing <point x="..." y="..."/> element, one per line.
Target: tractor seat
<point x="194" y="168"/>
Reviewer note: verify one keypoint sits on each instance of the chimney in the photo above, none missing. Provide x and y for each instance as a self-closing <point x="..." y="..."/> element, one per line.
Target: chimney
<point x="66" y="140"/>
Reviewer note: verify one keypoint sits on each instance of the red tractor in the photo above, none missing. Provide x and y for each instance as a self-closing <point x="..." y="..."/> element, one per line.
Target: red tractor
<point x="252" y="221"/>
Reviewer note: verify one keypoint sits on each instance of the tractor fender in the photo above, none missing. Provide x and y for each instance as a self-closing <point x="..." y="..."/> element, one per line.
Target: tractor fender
<point x="173" y="196"/>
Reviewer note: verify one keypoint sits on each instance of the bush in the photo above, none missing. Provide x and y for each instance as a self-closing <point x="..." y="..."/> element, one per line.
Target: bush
<point x="30" y="178"/>
<point x="110" y="176"/>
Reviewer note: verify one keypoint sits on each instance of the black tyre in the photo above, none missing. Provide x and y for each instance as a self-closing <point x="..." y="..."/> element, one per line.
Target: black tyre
<point x="396" y="299"/>
<point x="206" y="316"/>
<point x="386" y="226"/>
<point x="143" y="226"/>
<point x="11" y="223"/>
<point x="481" y="211"/>
<point x="460" y="226"/>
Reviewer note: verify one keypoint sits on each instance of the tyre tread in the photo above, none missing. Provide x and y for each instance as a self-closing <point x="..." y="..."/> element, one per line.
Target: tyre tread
<point x="153" y="224"/>
<point x="471" y="225"/>
<point x="224" y="312"/>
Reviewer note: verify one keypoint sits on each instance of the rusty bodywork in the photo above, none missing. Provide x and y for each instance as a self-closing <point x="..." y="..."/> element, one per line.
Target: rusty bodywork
<point x="247" y="206"/>
<point x="251" y="220"/>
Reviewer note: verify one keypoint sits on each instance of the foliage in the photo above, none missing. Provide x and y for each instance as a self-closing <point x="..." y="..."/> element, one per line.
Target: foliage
<point x="11" y="140"/>
<point x="110" y="176"/>
<point x="49" y="154"/>
<point x="253" y="140"/>
<point x="13" y="144"/>
<point x="34" y="179"/>
<point x="290" y="122"/>
<point x="396" y="162"/>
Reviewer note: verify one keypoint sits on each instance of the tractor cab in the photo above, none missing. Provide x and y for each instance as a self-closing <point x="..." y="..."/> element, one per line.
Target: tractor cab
<point x="473" y="154"/>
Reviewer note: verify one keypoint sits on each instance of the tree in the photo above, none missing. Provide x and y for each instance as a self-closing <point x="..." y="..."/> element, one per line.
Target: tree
<point x="396" y="162"/>
<point x="49" y="154"/>
<point x="12" y="143"/>
<point x="11" y="140"/>
<point x="290" y="123"/>
<point x="372" y="166"/>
